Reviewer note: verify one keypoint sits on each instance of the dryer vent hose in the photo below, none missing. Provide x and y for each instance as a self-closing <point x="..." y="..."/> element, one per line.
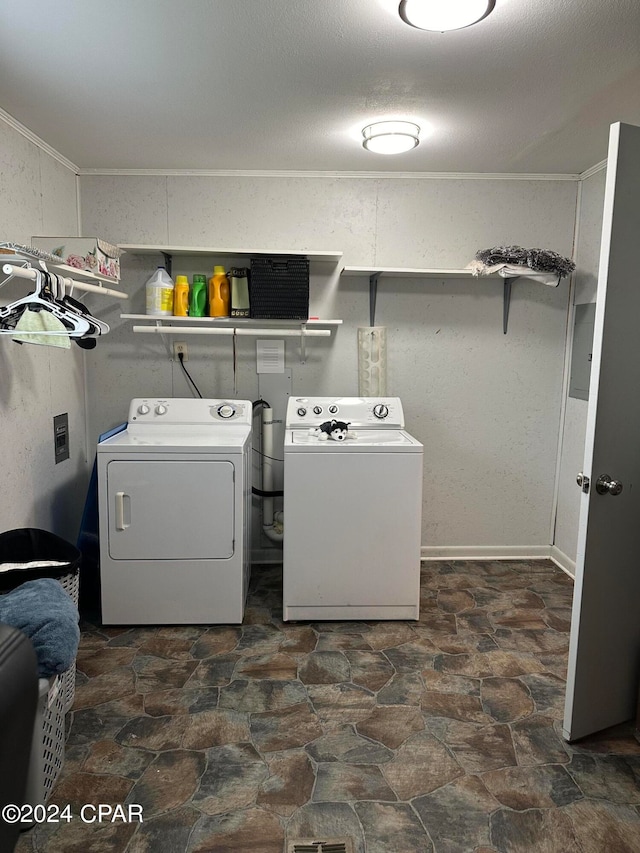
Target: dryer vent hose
<point x="262" y="494"/>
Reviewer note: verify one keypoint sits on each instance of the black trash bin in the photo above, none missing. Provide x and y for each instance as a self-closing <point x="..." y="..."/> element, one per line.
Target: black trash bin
<point x="33" y="549"/>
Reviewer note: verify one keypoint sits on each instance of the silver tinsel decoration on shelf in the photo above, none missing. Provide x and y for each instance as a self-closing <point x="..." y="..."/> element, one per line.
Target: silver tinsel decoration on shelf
<point x="541" y="260"/>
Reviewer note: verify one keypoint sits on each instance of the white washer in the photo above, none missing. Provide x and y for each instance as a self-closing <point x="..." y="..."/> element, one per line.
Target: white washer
<point x="175" y="508"/>
<point x="352" y="512"/>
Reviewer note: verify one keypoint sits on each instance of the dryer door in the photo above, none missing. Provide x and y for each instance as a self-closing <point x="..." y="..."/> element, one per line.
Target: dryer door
<point x="170" y="510"/>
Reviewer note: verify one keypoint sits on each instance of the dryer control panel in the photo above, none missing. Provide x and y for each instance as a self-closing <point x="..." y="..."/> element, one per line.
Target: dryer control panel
<point x="189" y="411"/>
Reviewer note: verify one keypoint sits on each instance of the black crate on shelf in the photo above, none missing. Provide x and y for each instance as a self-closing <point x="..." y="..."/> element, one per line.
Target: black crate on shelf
<point x="279" y="289"/>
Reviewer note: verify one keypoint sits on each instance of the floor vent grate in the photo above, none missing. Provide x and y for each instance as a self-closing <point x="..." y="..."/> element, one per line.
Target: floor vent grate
<point x="329" y="845"/>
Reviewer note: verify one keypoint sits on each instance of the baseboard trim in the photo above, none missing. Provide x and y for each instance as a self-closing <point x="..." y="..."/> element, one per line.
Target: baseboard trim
<point x="485" y="552"/>
<point x="266" y="556"/>
<point x="562" y="561"/>
<point x="462" y="552"/>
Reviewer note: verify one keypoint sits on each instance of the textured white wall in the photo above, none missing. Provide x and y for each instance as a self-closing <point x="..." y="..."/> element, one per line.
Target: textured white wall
<point x="573" y="435"/>
<point x="486" y="405"/>
<point x="38" y="196"/>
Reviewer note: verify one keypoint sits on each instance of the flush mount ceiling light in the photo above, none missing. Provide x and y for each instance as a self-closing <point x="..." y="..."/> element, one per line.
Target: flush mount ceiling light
<point x="391" y="137"/>
<point x="442" y="15"/>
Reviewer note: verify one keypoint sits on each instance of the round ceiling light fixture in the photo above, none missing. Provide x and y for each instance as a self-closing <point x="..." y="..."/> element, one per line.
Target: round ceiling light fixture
<point x="391" y="137"/>
<point x="442" y="15"/>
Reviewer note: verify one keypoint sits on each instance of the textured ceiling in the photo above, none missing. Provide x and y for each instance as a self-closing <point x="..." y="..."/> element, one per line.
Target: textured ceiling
<point x="288" y="84"/>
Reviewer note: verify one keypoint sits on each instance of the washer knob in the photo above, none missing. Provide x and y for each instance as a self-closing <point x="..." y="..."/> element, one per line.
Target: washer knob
<point x="161" y="410"/>
<point x="302" y="412"/>
<point x="143" y="409"/>
<point x="380" y="410"/>
<point x="333" y="409"/>
<point x="317" y="410"/>
<point x="226" y="411"/>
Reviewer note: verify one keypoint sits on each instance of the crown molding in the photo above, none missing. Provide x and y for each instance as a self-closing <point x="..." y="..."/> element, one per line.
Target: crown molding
<point x="260" y="173"/>
<point x="257" y="173"/>
<point x="40" y="143"/>
<point x="593" y="170"/>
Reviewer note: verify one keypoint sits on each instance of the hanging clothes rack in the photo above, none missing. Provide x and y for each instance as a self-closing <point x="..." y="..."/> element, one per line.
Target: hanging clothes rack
<point x="49" y="315"/>
<point x="303" y="333"/>
<point x="28" y="272"/>
<point x="259" y="333"/>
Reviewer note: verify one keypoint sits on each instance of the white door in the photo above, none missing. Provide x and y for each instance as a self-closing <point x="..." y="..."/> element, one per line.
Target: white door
<point x="170" y="510"/>
<point x="604" y="651"/>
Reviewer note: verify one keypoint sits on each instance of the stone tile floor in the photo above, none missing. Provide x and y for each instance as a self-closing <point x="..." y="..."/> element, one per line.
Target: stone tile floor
<point x="438" y="736"/>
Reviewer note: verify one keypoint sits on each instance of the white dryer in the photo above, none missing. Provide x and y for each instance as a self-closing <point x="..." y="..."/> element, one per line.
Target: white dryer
<point x="352" y="512"/>
<point x="175" y="507"/>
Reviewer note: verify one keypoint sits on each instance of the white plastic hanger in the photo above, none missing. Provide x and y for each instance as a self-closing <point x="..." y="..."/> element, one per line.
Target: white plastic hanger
<point x="76" y="325"/>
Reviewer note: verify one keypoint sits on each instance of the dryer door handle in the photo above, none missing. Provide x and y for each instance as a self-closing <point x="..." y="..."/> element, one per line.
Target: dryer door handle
<point x="123" y="507"/>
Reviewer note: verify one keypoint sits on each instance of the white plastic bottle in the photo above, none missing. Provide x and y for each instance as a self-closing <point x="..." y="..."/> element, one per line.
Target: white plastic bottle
<point x="159" y="293"/>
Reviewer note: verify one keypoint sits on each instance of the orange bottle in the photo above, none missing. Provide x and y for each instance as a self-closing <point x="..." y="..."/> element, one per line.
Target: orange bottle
<point x="219" y="293"/>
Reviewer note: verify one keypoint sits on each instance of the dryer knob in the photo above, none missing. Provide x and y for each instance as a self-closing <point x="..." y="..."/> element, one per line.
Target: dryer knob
<point x="143" y="409"/>
<point x="302" y="412"/>
<point x="380" y="411"/>
<point x="226" y="411"/>
<point x="161" y="410"/>
<point x="333" y="410"/>
<point x="317" y="410"/>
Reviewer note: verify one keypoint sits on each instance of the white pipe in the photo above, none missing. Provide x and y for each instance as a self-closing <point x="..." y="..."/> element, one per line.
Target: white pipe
<point x="286" y="333"/>
<point x="267" y="466"/>
<point x="276" y="532"/>
<point x="207" y="330"/>
<point x="179" y="330"/>
<point x="28" y="272"/>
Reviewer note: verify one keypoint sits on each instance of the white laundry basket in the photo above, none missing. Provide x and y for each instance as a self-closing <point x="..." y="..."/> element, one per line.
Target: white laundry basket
<point x="71" y="585"/>
<point x="47" y="745"/>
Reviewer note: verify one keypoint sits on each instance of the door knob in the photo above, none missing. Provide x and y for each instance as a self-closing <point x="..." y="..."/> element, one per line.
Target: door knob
<point x="604" y="485"/>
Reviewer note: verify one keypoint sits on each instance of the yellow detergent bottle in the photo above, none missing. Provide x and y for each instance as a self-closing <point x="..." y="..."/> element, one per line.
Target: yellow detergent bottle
<point x="219" y="293"/>
<point x="181" y="297"/>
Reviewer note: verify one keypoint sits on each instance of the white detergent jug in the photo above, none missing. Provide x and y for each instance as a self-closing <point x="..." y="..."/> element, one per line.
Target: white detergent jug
<point x="159" y="292"/>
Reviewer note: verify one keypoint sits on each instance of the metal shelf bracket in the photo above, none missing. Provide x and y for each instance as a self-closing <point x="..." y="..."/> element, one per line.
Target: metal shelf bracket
<point x="506" y="302"/>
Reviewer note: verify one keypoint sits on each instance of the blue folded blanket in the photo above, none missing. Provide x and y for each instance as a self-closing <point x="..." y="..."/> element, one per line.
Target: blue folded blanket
<point x="43" y="611"/>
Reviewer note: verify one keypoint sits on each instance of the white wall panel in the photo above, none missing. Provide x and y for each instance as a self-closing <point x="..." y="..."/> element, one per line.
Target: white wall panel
<point x="37" y="193"/>
<point x="131" y="209"/>
<point x="486" y="405"/>
<point x="442" y="223"/>
<point x="275" y="213"/>
<point x="59" y="200"/>
<point x="20" y="203"/>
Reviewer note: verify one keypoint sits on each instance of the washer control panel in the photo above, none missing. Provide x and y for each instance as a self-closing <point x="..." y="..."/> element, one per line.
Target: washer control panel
<point x="189" y="411"/>
<point x="358" y="412"/>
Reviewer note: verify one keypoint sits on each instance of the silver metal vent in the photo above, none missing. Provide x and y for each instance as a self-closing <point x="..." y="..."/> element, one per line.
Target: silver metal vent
<point x="328" y="845"/>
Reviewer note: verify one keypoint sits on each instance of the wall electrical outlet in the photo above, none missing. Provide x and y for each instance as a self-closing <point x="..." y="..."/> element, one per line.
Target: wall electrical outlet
<point x="180" y="347"/>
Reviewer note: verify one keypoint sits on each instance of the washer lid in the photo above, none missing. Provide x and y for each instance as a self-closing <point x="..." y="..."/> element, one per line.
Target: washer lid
<point x="366" y="440"/>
